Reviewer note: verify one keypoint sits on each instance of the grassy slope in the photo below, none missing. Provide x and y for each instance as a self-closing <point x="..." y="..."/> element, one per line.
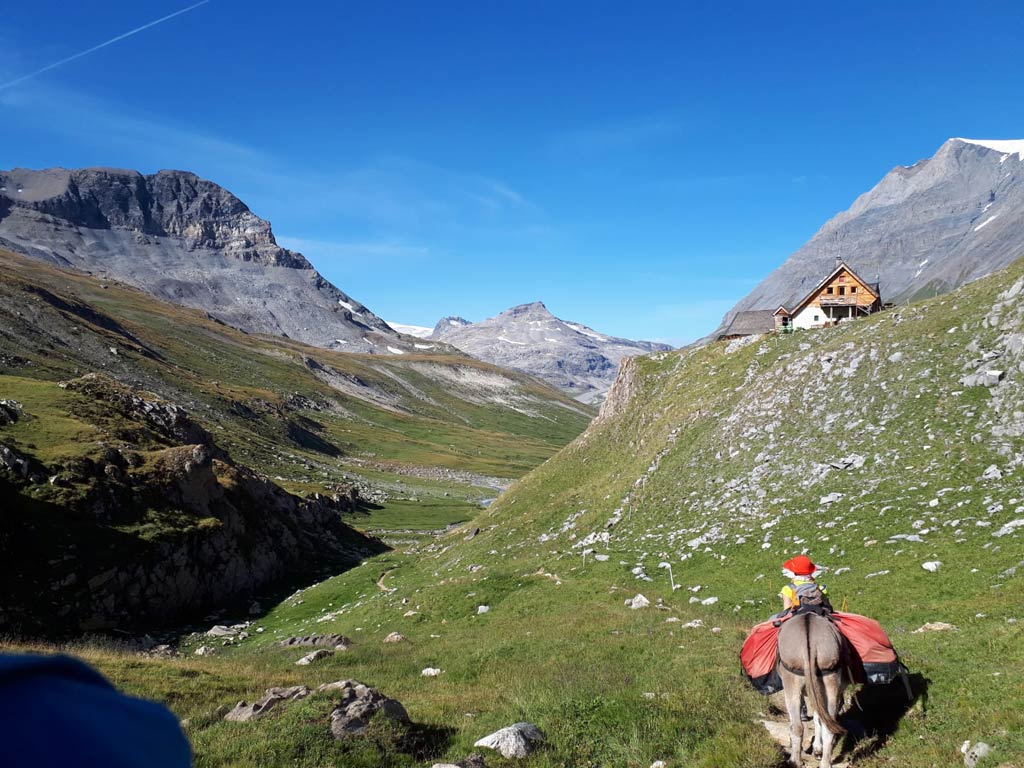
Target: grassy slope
<point x="241" y="387"/>
<point x="718" y="465"/>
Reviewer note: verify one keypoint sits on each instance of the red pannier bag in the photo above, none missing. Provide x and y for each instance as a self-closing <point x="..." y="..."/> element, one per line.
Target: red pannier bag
<point x="872" y="657"/>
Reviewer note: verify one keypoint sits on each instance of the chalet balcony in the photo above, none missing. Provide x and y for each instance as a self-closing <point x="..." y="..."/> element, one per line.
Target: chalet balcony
<point x="838" y="301"/>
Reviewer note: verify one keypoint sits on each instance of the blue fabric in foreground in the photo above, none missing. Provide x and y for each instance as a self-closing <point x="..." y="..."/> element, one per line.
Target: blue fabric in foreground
<point x="56" y="711"/>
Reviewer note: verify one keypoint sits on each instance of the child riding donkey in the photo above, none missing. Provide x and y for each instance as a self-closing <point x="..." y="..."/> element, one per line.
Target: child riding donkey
<point x="802" y="594"/>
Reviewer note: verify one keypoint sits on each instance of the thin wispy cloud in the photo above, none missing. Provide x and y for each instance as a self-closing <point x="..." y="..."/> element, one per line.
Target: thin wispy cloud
<point x="373" y="249"/>
<point x="100" y="46"/>
<point x="389" y="193"/>
<point x="621" y="135"/>
<point x="51" y="109"/>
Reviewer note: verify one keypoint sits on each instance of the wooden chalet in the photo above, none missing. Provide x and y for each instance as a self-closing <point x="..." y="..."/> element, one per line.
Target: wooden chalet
<point x="840" y="297"/>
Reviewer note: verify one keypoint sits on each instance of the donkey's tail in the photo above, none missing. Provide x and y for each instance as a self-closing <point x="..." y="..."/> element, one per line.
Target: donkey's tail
<point x="813" y="680"/>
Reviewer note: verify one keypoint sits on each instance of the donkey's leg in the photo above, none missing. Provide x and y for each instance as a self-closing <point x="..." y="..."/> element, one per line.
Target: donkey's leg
<point x="818" y="728"/>
<point x="833" y="698"/>
<point x="793" y="688"/>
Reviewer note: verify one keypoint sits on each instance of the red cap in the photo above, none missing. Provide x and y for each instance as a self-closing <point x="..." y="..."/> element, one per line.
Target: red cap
<point x="800" y="565"/>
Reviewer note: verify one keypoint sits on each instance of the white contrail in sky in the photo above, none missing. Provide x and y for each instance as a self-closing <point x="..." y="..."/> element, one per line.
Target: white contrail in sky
<point x="95" y="48"/>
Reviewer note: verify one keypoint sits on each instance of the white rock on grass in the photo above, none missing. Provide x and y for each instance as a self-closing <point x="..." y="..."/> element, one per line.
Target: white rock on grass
<point x="394" y="637"/>
<point x="309" y="658"/>
<point x="1009" y="528"/>
<point x="709" y="601"/>
<point x="430" y="672"/>
<point x="992" y="473"/>
<point x="932" y="565"/>
<point x="637" y="602"/>
<point x="695" y="624"/>
<point x="205" y="650"/>
<point x="934" y="626"/>
<point x="480" y="609"/>
<point x="974" y="755"/>
<point x="519" y="740"/>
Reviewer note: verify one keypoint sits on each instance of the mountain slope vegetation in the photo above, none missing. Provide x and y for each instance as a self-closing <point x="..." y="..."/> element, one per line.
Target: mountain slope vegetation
<point x="132" y="421"/>
<point x="877" y="446"/>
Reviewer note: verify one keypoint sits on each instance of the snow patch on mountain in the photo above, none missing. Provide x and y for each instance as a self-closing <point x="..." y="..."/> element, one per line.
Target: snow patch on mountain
<point x="1006" y="146"/>
<point x="419" y="331"/>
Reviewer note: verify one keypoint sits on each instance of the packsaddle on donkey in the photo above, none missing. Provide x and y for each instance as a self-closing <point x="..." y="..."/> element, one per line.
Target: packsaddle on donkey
<point x="812" y="660"/>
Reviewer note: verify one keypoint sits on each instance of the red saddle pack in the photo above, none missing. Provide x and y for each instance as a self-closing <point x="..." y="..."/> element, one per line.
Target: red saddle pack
<point x="872" y="657"/>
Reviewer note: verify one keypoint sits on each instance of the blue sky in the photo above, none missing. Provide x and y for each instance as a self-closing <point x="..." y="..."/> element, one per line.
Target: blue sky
<point x="638" y="167"/>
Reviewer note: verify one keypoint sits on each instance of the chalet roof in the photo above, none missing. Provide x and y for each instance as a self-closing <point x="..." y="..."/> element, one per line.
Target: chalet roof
<point x="873" y="287"/>
<point x="750" y="323"/>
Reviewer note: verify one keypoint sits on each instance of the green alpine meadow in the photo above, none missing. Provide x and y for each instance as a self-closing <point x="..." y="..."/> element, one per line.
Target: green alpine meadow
<point x="861" y="444"/>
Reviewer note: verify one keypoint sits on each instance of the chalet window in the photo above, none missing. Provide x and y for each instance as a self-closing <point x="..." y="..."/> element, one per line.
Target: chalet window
<point x="842" y="290"/>
<point x="853" y="289"/>
<point x="829" y="290"/>
<point x="815" y="318"/>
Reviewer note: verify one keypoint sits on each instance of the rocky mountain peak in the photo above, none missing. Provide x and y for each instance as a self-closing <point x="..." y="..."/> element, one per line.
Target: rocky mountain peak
<point x="529" y="338"/>
<point x="533" y="308"/>
<point x="168" y="203"/>
<point x="187" y="240"/>
<point x="445" y="324"/>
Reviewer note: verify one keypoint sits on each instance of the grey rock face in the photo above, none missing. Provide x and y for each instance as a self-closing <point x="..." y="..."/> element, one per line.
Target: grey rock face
<point x="183" y="239"/>
<point x="358" y="704"/>
<point x="528" y="338"/>
<point x="244" y="713"/>
<point x="314" y="656"/>
<point x="317" y="641"/>
<point x="10" y="412"/>
<point x="923" y="230"/>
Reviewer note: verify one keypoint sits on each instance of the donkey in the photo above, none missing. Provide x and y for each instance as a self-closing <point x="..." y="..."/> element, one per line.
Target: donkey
<point x="812" y="657"/>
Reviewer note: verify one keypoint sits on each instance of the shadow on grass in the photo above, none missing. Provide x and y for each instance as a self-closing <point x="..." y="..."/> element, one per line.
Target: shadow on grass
<point x="873" y="716"/>
<point x="427" y="742"/>
<point x="876" y="713"/>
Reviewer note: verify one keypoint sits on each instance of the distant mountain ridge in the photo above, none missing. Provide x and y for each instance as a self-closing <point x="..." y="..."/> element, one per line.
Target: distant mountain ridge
<point x="187" y="240"/>
<point x="924" y="229"/>
<point x="576" y="359"/>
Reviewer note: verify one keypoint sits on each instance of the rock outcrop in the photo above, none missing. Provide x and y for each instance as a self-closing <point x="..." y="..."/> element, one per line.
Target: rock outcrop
<point x="359" y="703"/>
<point x="154" y="532"/>
<point x="244" y="712"/>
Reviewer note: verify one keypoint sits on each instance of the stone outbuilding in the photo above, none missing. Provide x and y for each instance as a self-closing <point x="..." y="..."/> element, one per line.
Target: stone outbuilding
<point x="749" y="323"/>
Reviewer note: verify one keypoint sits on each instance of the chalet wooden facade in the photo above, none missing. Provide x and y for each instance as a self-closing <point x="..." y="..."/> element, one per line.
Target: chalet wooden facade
<point x="840" y="297"/>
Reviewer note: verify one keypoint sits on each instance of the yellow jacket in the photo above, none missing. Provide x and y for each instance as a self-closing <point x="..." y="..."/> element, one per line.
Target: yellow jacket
<point x="788" y="592"/>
